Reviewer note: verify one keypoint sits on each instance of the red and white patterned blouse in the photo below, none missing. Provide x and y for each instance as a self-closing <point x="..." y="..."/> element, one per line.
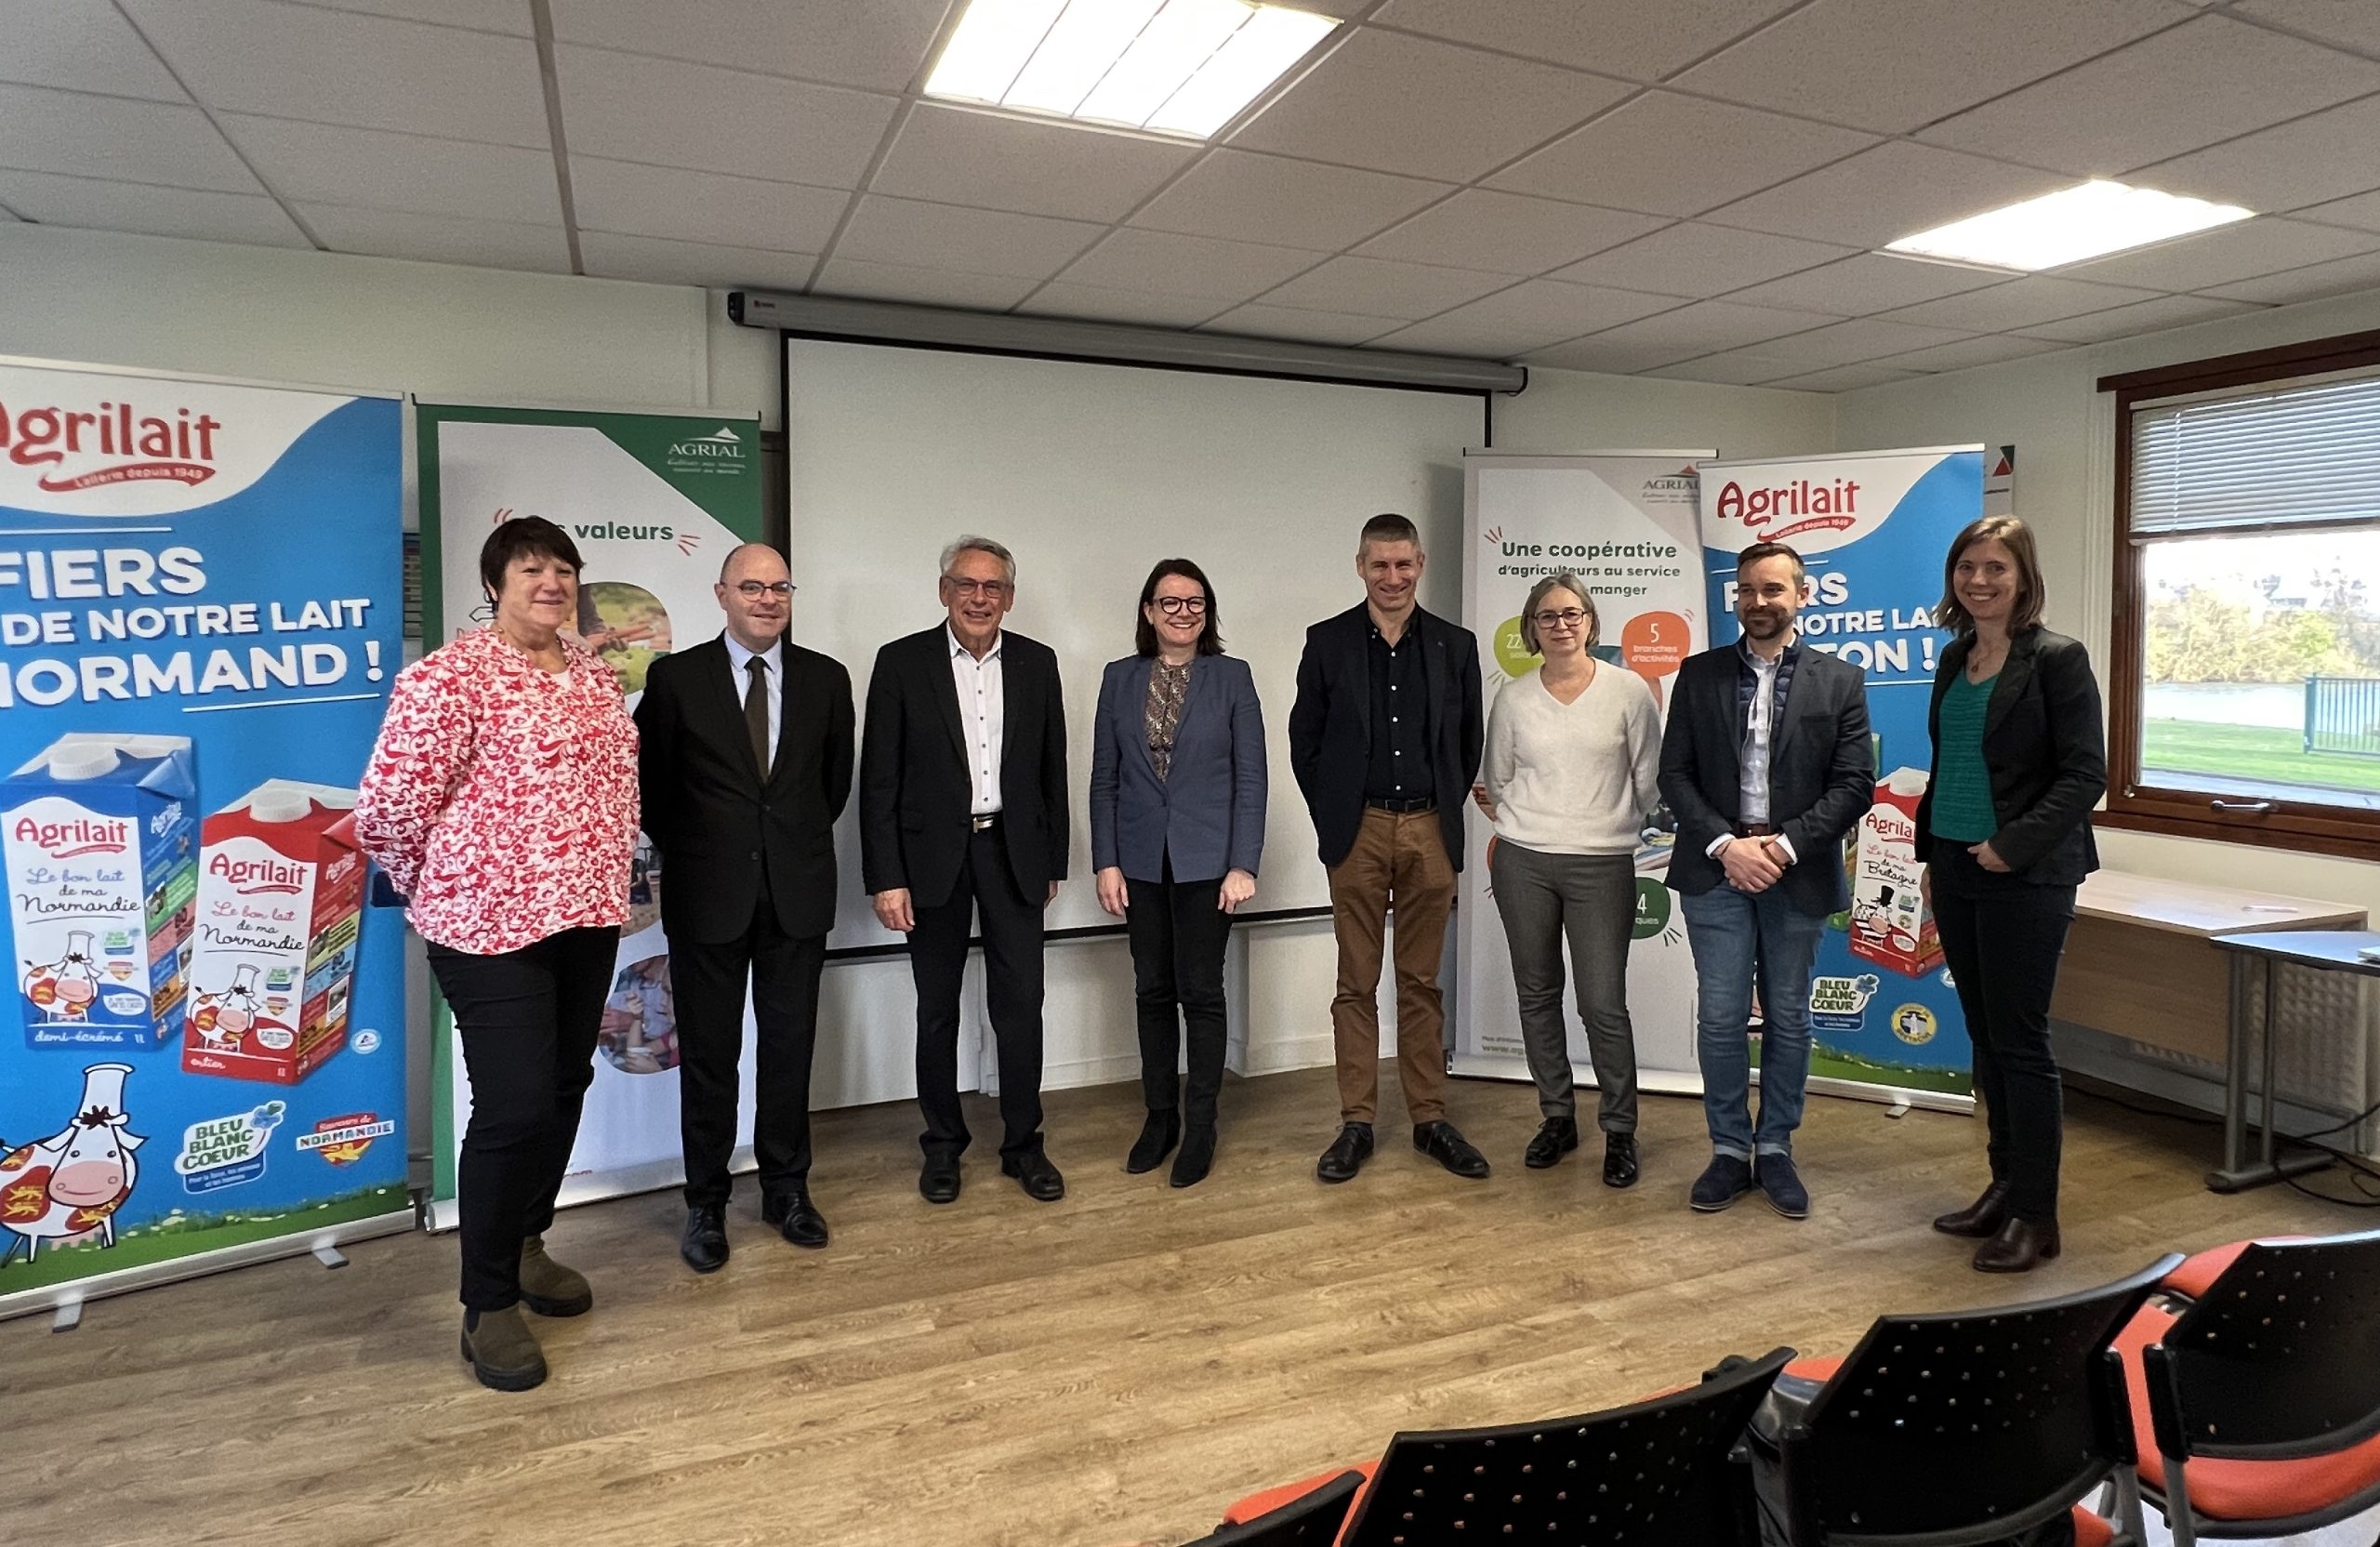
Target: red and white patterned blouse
<point x="501" y="799"/>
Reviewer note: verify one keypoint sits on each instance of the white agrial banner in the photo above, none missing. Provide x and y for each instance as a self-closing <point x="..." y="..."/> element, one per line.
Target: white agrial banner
<point x="1626" y="523"/>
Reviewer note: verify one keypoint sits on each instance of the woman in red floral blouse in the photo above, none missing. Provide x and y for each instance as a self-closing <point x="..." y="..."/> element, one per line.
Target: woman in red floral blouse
<point x="501" y="801"/>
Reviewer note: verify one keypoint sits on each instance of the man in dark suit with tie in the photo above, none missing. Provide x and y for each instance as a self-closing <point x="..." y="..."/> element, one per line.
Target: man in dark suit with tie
<point x="1385" y="739"/>
<point x="962" y="809"/>
<point x="744" y="762"/>
<point x="1766" y="765"/>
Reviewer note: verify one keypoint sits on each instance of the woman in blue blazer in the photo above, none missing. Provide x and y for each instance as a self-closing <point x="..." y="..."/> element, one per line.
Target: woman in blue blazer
<point x="1177" y="826"/>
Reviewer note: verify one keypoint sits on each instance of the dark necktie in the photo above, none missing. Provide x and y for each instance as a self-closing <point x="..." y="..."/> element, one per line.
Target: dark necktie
<point x="756" y="713"/>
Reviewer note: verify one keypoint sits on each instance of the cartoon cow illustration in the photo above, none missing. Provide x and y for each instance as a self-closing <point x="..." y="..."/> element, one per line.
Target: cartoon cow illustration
<point x="74" y="1181"/>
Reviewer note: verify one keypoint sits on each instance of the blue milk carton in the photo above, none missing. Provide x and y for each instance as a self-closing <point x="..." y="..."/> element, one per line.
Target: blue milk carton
<point x="101" y="835"/>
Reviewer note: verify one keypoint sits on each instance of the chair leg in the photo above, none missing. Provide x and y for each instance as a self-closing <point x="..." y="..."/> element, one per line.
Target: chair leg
<point x="2132" y="1531"/>
<point x="2179" y="1517"/>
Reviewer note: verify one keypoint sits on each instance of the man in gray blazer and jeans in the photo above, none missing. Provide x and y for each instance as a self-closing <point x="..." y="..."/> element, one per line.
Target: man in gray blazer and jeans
<point x="1767" y="766"/>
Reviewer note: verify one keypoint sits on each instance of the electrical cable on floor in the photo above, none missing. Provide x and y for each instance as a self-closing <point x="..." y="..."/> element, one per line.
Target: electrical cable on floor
<point x="2361" y="1173"/>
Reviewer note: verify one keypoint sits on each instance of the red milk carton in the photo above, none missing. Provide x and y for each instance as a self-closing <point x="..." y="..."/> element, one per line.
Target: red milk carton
<point x="1890" y="923"/>
<point x="280" y="903"/>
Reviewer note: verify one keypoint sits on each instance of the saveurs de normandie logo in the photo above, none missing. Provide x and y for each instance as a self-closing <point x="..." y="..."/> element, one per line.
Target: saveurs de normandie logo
<point x="110" y="442"/>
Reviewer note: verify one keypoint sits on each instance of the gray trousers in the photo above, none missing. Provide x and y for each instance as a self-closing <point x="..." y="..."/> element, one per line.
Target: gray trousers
<point x="1592" y="899"/>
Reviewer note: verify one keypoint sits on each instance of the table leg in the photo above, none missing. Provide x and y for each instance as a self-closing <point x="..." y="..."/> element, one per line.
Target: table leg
<point x="2237" y="1176"/>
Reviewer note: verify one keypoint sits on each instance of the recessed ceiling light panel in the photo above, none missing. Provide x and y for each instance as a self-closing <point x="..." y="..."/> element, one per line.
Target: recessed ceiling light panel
<point x="1180" y="67"/>
<point x="2091" y="220"/>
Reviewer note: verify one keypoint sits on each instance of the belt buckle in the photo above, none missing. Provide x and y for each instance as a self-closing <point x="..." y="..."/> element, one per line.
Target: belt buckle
<point x="982" y="823"/>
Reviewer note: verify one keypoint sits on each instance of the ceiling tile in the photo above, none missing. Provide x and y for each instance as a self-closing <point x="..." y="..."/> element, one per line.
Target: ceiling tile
<point x="486" y="15"/>
<point x="971" y="240"/>
<point x="1881" y="195"/>
<point x="82" y="46"/>
<point x="1306" y="327"/>
<point x="706" y="207"/>
<point x="2362" y="212"/>
<point x="1615" y="356"/>
<point x="374" y="170"/>
<point x="2207" y="79"/>
<point x="1869" y="283"/>
<point x="341" y="67"/>
<point x="879" y="44"/>
<point x="2338" y="277"/>
<point x="1969" y="352"/>
<point x="1734" y="368"/>
<point x="2019" y="303"/>
<point x="2349" y="23"/>
<point x="1527" y="316"/>
<point x="1844" y="379"/>
<point x="2323" y="155"/>
<point x="1677" y="156"/>
<point x="1098" y="304"/>
<point x="2127" y="321"/>
<point x="1892" y="65"/>
<point x="440" y="239"/>
<point x="1701" y="260"/>
<point x="1395" y="103"/>
<point x="1507" y="232"/>
<point x="1254" y="198"/>
<point x="906" y="282"/>
<point x="95" y="205"/>
<point x="2230" y="253"/>
<point x="1160" y="262"/>
<point x="609" y="255"/>
<point x="1618" y="37"/>
<point x="1377" y="287"/>
<point x="1706" y="327"/>
<point x="997" y="161"/>
<point x="109" y="136"/>
<point x="1860" y="338"/>
<point x="625" y="107"/>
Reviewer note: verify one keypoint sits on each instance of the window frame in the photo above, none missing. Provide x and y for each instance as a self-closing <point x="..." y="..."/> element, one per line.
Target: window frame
<point x="2302" y="826"/>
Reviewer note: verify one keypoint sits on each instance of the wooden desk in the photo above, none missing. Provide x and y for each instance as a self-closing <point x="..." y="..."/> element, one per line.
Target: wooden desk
<point x="2140" y="964"/>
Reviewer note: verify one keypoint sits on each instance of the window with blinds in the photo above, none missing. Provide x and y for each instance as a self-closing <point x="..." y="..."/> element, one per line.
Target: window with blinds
<point x="2258" y="460"/>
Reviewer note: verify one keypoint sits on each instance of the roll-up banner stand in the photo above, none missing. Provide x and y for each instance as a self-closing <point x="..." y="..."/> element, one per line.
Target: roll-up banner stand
<point x="1873" y="528"/>
<point x="200" y="619"/>
<point x="655" y="500"/>
<point x="1626" y="523"/>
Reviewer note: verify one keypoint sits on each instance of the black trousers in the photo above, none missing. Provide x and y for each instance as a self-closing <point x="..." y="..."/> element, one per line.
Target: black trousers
<point x="1011" y="926"/>
<point x="2001" y="937"/>
<point x="527" y="1020"/>
<point x="708" y="980"/>
<point x="1178" y="931"/>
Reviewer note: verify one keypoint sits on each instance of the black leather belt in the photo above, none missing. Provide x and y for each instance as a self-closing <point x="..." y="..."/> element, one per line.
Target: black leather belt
<point x="1418" y="802"/>
<point x="1756" y="829"/>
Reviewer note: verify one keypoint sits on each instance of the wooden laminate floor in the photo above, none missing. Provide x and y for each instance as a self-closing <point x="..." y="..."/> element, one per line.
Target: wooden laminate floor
<point x="1111" y="1368"/>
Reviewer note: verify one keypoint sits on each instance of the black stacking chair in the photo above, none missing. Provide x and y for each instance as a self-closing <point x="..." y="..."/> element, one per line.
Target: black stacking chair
<point x="1310" y="1521"/>
<point x="2278" y="1367"/>
<point x="1654" y="1472"/>
<point x="1958" y="1429"/>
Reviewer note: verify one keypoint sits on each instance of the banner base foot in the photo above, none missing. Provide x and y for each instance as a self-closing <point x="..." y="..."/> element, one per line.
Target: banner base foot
<point x="1900" y="1108"/>
<point x="330" y="1256"/>
<point x="68" y="1316"/>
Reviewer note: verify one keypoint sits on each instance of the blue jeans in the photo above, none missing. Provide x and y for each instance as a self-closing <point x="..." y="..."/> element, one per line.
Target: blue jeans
<point x="1736" y="937"/>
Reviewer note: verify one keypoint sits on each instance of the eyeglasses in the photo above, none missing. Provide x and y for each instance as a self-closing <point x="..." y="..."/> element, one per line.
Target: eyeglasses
<point x="1569" y="617"/>
<point x="992" y="589"/>
<point x="1173" y="605"/>
<point x="752" y="590"/>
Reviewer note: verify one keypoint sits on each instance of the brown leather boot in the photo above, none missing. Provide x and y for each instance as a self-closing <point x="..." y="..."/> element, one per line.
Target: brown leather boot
<point x="502" y="1351"/>
<point x="1983" y="1217"/>
<point x="549" y="1288"/>
<point x="2020" y="1245"/>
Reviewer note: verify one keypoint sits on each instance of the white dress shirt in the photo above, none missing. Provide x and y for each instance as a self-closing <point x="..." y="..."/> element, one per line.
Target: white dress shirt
<point x="982" y="716"/>
<point x="1760" y="725"/>
<point x="773" y="658"/>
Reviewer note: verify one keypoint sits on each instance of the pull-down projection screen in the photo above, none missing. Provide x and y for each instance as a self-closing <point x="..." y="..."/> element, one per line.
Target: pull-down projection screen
<point x="1091" y="473"/>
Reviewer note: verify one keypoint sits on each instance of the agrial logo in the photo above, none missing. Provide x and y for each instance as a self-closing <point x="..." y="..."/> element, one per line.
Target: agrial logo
<point x="723" y="444"/>
<point x="108" y="443"/>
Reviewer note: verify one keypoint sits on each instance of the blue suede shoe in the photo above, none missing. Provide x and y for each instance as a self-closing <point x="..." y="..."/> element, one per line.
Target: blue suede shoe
<point x="1725" y="1180"/>
<point x="1782" y="1184"/>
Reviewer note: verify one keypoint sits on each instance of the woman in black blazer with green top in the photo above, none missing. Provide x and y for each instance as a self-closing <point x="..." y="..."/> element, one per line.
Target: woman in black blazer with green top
<point x="2019" y="759"/>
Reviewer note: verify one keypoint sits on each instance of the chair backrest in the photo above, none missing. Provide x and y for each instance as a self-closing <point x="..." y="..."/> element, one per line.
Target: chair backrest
<point x="1988" y="1423"/>
<point x="1310" y="1520"/>
<point x="2279" y="1358"/>
<point x="1654" y="1472"/>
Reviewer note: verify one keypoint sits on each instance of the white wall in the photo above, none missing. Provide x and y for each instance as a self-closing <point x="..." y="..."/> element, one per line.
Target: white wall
<point x="1582" y="411"/>
<point x="2048" y="407"/>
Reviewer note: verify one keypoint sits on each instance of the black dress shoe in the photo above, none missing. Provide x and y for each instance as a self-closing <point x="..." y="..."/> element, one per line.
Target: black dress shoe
<point x="1443" y="1143"/>
<point x="1347" y="1154"/>
<point x="1158" y="1136"/>
<point x="1197" y="1156"/>
<point x="1555" y="1138"/>
<point x="938" y="1180"/>
<point x="1981" y="1218"/>
<point x="1036" y="1175"/>
<point x="796" y="1217"/>
<point x="1620" y="1159"/>
<point x="2019" y="1245"/>
<point x="704" y="1241"/>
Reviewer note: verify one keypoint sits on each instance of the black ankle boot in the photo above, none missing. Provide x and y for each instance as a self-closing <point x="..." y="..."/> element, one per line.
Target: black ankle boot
<point x="1158" y="1138"/>
<point x="2018" y="1246"/>
<point x="1197" y="1156"/>
<point x="1983" y="1217"/>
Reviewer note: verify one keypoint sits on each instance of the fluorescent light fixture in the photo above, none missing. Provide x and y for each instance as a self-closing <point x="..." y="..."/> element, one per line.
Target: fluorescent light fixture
<point x="2091" y="220"/>
<point x="1181" y="67"/>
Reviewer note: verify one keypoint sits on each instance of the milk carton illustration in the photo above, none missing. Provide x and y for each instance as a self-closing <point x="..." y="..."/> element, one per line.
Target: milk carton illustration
<point x="1890" y="924"/>
<point x="101" y="835"/>
<point x="280" y="900"/>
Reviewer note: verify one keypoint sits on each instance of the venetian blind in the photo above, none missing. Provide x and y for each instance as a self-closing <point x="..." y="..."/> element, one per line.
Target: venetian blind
<point x="2259" y="458"/>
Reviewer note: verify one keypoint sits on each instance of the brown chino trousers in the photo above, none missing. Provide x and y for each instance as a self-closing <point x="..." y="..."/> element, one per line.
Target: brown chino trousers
<point x="1402" y="854"/>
